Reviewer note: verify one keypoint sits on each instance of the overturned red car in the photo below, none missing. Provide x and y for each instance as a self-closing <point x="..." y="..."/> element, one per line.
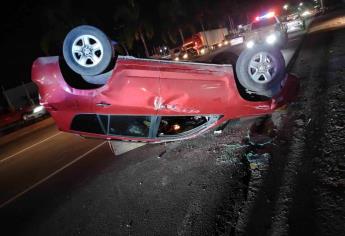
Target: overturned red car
<point x="148" y="100"/>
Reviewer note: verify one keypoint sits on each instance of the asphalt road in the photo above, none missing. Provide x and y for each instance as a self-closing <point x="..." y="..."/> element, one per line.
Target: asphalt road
<point x="156" y="188"/>
<point x="45" y="172"/>
<point x="31" y="158"/>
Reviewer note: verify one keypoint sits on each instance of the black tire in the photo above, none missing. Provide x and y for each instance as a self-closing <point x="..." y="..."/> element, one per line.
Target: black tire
<point x="96" y="60"/>
<point x="268" y="86"/>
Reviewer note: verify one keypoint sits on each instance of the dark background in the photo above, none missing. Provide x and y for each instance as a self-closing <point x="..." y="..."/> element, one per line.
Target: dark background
<point x="37" y="28"/>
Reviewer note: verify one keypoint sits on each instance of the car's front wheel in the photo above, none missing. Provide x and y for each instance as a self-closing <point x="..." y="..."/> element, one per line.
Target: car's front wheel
<point x="261" y="70"/>
<point x="87" y="50"/>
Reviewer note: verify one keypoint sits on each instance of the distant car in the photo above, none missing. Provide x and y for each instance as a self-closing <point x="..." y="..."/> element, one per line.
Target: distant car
<point x="34" y="112"/>
<point x="184" y="54"/>
<point x="175" y="53"/>
<point x="235" y="39"/>
<point x="266" y="29"/>
<point x="309" y="10"/>
<point x="154" y="100"/>
<point x="294" y="22"/>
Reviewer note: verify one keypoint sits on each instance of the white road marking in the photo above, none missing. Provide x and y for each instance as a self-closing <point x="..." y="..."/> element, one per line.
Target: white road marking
<point x="49" y="176"/>
<point x="33" y="145"/>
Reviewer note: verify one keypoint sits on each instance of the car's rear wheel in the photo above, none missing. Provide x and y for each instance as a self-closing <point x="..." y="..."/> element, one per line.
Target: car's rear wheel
<point x="87" y="50"/>
<point x="261" y="70"/>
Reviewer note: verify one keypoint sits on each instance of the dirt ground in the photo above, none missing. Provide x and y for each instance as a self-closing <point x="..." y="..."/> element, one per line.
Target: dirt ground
<point x="297" y="178"/>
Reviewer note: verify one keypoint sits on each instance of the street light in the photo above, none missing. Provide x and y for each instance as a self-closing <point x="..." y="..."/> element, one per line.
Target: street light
<point x="301" y="3"/>
<point x="286" y="6"/>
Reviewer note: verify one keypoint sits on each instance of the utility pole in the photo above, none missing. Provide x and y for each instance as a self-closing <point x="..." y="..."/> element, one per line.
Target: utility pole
<point x="230" y="23"/>
<point x="322" y="6"/>
<point x="181" y="35"/>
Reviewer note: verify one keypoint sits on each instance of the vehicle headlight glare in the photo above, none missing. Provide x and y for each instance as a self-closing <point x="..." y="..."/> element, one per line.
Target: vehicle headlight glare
<point x="250" y="44"/>
<point x="306" y="13"/>
<point x="38" y="109"/>
<point x="185" y="56"/>
<point x="202" y="51"/>
<point x="271" y="39"/>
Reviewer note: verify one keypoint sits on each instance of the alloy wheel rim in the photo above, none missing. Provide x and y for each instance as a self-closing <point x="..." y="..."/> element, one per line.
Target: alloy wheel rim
<point x="262" y="67"/>
<point x="87" y="51"/>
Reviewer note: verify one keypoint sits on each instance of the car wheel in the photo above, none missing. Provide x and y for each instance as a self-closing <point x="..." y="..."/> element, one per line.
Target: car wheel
<point x="261" y="70"/>
<point x="87" y="50"/>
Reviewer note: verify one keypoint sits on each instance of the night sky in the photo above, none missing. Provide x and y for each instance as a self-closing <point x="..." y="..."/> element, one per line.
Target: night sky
<point x="37" y="28"/>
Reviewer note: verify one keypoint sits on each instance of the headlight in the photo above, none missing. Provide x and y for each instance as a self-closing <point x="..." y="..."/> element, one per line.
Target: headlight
<point x="38" y="109"/>
<point x="185" y="56"/>
<point x="250" y="44"/>
<point x="176" y="59"/>
<point x="220" y="45"/>
<point x="306" y="13"/>
<point x="202" y="51"/>
<point x="271" y="39"/>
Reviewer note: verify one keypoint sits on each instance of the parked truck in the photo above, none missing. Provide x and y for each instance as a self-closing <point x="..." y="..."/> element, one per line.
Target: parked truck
<point x="200" y="42"/>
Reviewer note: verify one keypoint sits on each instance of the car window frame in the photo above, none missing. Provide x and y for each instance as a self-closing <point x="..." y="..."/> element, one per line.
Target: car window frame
<point x="154" y="126"/>
<point x="213" y="119"/>
<point x="149" y="136"/>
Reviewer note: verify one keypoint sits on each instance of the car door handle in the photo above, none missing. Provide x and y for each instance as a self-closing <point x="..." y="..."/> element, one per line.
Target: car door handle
<point x="103" y="104"/>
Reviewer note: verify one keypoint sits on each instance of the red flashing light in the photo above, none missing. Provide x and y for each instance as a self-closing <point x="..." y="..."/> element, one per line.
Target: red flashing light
<point x="266" y="16"/>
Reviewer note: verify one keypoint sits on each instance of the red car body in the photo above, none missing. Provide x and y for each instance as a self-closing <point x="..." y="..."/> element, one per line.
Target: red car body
<point x="10" y="118"/>
<point x="152" y="88"/>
